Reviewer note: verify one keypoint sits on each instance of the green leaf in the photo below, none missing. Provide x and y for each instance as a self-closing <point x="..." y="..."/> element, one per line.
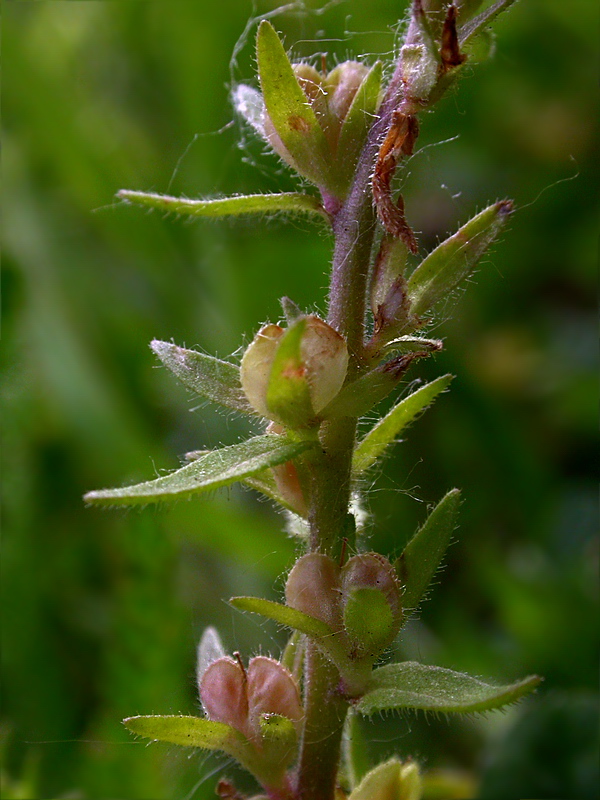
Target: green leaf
<point x="422" y="556"/>
<point x="412" y="685"/>
<point x="482" y="20"/>
<point x="359" y="119"/>
<point x="211" y="471"/>
<point x="289" y="110"/>
<point x="206" y="375"/>
<point x="284" y="615"/>
<point x="288" y="392"/>
<point x="187" y="731"/>
<point x="239" y="205"/>
<point x="456" y="258"/>
<point x="388" y="428"/>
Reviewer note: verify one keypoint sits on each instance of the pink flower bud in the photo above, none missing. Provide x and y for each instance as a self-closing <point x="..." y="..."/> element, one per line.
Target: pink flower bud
<point x="240" y="697"/>
<point x="224" y="694"/>
<point x="342" y="84"/>
<point x="271" y="690"/>
<point x="313" y="587"/>
<point x="372" y="571"/>
<point x="370" y="605"/>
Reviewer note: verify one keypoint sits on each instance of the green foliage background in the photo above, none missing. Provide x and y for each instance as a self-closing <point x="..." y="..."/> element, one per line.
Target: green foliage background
<point x="102" y="610"/>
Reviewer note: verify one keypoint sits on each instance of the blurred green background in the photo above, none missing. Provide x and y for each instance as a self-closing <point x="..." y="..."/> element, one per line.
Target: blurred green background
<point x="101" y="609"/>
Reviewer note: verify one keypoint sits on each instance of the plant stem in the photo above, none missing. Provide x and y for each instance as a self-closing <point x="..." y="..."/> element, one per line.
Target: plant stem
<point x="325" y="712"/>
<point x="354" y="227"/>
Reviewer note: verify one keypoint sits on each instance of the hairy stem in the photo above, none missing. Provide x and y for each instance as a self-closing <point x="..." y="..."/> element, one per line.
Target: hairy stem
<point x="325" y="711"/>
<point x="354" y="227"/>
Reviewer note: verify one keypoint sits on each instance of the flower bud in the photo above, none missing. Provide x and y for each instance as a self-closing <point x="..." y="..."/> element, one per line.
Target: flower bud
<point x="290" y="375"/>
<point x="243" y="698"/>
<point x="313" y="588"/>
<point x="223" y="694"/>
<point x="316" y="123"/>
<point x="391" y="780"/>
<point x="370" y="598"/>
<point x="342" y="85"/>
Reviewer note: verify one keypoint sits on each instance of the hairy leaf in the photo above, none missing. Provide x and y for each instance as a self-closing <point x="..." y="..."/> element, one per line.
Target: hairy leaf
<point x="284" y="615"/>
<point x="388" y="428"/>
<point x="206" y="375"/>
<point x="288" y="108"/>
<point x="211" y="471"/>
<point x="188" y="731"/>
<point x="481" y="21"/>
<point x="416" y="686"/>
<point x="422" y="556"/>
<point x="292" y="202"/>
<point x="455" y="259"/>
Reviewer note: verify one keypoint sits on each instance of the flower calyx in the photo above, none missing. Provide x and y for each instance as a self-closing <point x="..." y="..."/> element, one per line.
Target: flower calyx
<point x="262" y="704"/>
<point x="317" y="122"/>
<point x="289" y="375"/>
<point x="359" y="602"/>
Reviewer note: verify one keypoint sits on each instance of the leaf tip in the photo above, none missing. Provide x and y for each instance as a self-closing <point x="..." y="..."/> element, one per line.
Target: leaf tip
<point x="504" y="208"/>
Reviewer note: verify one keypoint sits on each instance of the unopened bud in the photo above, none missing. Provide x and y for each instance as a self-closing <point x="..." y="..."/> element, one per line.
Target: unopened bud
<point x="242" y="698"/>
<point x="342" y="84"/>
<point x="290" y="375"/>
<point x="371" y="604"/>
<point x="223" y="694"/>
<point x="391" y="780"/>
<point x="271" y="691"/>
<point x="313" y="588"/>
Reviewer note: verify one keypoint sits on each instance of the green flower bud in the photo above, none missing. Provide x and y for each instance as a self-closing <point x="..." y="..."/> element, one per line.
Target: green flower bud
<point x="290" y="375"/>
<point x="391" y="780"/>
<point x="370" y="598"/>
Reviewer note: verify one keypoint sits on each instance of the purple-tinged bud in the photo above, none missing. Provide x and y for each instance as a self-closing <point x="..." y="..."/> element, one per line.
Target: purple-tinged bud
<point x="313" y="587"/>
<point x="370" y="598"/>
<point x="242" y="698"/>
<point x="271" y="690"/>
<point x="342" y="85"/>
<point x="224" y="695"/>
